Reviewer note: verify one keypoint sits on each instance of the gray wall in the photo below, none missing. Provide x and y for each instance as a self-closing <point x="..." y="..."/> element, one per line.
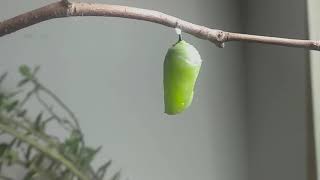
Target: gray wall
<point x="109" y="71"/>
<point x="276" y="92"/>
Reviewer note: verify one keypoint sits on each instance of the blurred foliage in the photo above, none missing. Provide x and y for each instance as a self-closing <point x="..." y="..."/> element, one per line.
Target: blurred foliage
<point x="31" y="146"/>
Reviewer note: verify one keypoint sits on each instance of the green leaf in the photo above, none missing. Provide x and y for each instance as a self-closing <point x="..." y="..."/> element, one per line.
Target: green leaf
<point x="72" y="144"/>
<point x="2" y="98"/>
<point x="3" y="77"/>
<point x="25" y="71"/>
<point x="37" y="123"/>
<point x="2" y="177"/>
<point x="34" y="162"/>
<point x="12" y="105"/>
<point x="30" y="175"/>
<point x="116" y="176"/>
<point x="39" y="160"/>
<point x="19" y="143"/>
<point x="51" y="166"/>
<point x="22" y="113"/>
<point x="103" y="169"/>
<point x="65" y="174"/>
<point x="28" y="133"/>
<point x="28" y="153"/>
<point x="87" y="155"/>
<point x="3" y="148"/>
<point x="29" y="163"/>
<point x="11" y="156"/>
<point x="13" y="141"/>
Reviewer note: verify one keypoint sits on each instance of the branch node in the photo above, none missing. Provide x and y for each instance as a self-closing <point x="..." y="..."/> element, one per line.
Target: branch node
<point x="66" y="3"/>
<point x="178" y="24"/>
<point x="71" y="9"/>
<point x="217" y="37"/>
<point x="221" y="38"/>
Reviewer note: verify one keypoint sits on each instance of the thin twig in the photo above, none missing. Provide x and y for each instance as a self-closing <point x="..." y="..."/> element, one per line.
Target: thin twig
<point x="26" y="98"/>
<point x="65" y="8"/>
<point x="52" y="113"/>
<point x="40" y="87"/>
<point x="62" y="104"/>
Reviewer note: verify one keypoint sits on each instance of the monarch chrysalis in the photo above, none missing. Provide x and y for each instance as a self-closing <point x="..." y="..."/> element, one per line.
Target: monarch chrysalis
<point x="180" y="71"/>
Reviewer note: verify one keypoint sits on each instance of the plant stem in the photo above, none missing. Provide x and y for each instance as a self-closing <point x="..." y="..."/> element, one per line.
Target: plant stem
<point x="5" y="178"/>
<point x="52" y="153"/>
<point x="61" y="103"/>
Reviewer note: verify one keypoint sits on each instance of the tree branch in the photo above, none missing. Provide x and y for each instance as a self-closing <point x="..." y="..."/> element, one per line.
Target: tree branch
<point x="67" y="9"/>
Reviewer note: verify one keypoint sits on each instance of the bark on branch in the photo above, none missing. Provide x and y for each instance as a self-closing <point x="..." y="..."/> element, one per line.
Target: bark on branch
<point x="65" y="8"/>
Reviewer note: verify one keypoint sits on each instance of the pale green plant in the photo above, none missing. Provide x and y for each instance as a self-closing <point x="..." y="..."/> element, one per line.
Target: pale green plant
<point x="43" y="155"/>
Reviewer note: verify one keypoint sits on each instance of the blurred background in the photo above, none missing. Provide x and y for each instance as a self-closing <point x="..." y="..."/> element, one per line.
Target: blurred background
<point x="248" y="119"/>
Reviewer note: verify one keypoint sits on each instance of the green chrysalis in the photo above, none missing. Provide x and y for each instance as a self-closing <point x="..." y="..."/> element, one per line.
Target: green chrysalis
<point x="180" y="71"/>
